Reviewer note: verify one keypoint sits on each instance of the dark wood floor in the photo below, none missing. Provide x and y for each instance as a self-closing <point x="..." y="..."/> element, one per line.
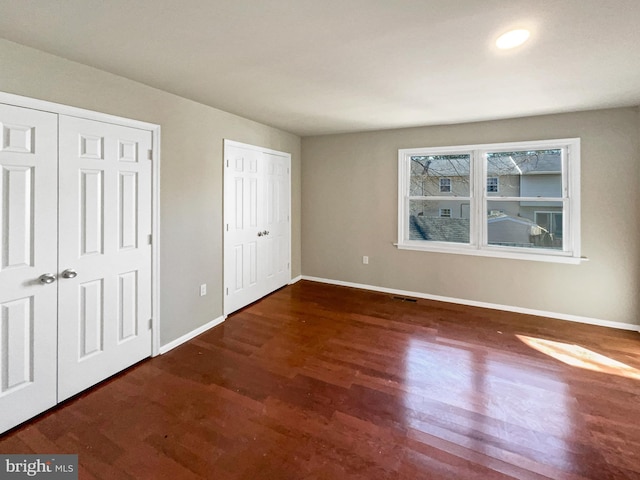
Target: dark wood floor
<point x="324" y="382"/>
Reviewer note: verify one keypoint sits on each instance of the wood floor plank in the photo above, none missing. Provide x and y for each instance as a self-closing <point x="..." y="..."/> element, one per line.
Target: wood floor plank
<point x="323" y="382"/>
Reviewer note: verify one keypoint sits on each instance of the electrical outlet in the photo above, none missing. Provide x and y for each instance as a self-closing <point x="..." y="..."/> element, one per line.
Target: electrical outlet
<point x="365" y="260"/>
<point x="203" y="289"/>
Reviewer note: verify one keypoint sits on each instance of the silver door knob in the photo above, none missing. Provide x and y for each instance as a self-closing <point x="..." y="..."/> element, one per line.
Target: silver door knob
<point x="47" y="278"/>
<point x="69" y="273"/>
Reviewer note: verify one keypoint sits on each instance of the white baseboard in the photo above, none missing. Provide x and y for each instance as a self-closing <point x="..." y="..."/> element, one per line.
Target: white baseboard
<point x="473" y="303"/>
<point x="295" y="280"/>
<point x="192" y="334"/>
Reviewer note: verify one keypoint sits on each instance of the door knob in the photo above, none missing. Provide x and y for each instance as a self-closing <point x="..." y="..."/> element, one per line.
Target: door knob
<point x="69" y="273"/>
<point x="47" y="278"/>
<point x="259" y="234"/>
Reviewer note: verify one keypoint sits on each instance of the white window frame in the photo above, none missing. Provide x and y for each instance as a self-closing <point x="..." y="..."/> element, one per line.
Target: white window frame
<point x="448" y="187"/>
<point x="441" y="213"/>
<point x="479" y="197"/>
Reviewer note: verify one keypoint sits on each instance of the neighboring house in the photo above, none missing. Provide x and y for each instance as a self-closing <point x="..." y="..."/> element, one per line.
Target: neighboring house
<point x="501" y="230"/>
<point x="516" y="232"/>
<point x="509" y="174"/>
<point x="439" y="229"/>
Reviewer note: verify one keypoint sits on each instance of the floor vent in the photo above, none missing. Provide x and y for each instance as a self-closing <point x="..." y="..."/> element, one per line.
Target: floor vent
<point x="404" y="299"/>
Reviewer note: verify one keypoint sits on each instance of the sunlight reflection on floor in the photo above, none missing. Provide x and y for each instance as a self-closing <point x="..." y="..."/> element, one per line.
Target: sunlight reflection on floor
<point x="578" y="356"/>
<point x="483" y="394"/>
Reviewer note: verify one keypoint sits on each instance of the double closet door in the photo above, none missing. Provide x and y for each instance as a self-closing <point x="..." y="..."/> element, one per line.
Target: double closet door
<point x="75" y="256"/>
<point x="257" y="236"/>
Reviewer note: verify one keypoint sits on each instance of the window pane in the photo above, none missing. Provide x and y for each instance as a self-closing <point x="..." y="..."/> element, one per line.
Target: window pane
<point x="527" y="173"/>
<point x="525" y="224"/>
<point x="439" y="221"/>
<point x="440" y="175"/>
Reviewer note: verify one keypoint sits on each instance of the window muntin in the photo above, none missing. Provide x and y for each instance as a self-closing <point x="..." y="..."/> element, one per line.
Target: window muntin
<point x="517" y="200"/>
<point x="445" y="185"/>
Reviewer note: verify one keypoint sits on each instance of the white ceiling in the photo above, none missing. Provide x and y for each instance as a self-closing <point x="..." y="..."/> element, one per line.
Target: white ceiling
<point x="325" y="66"/>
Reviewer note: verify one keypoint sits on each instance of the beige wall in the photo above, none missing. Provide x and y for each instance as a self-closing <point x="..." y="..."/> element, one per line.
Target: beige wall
<point x="191" y="171"/>
<point x="349" y="201"/>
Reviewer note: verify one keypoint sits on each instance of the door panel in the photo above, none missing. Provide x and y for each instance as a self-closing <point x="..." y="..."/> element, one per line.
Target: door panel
<point x="91" y="212"/>
<point x="105" y="223"/>
<point x="28" y="249"/>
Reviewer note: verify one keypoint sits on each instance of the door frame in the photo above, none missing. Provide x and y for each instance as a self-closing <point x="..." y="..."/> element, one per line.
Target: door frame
<point x="247" y="146"/>
<point x="59" y="109"/>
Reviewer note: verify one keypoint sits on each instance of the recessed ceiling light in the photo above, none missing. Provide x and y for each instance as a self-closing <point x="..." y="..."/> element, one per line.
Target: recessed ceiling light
<point x="512" y="39"/>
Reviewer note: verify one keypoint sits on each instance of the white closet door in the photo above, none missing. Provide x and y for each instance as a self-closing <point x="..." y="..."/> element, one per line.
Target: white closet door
<point x="244" y="211"/>
<point x="28" y="251"/>
<point x="257" y="224"/>
<point x="105" y="252"/>
<point x="276" y="221"/>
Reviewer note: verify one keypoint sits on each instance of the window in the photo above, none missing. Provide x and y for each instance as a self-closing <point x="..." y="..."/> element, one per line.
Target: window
<point x="514" y="200"/>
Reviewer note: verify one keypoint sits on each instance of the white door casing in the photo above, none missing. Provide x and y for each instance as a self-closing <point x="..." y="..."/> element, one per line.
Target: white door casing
<point x="28" y="249"/>
<point x="257" y="227"/>
<point x="105" y="226"/>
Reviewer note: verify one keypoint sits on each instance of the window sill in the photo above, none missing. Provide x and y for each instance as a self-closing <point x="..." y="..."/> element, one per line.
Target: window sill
<point x="494" y="252"/>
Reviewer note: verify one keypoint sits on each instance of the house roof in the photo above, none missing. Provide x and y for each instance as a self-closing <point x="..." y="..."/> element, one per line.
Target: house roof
<point x="499" y="164"/>
<point x="439" y="229"/>
<point x="525" y="164"/>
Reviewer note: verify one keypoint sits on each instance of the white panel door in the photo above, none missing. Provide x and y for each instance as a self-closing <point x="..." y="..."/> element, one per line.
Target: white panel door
<point x="276" y="221"/>
<point x="105" y="252"/>
<point x="257" y="225"/>
<point x="28" y="250"/>
<point x="244" y="210"/>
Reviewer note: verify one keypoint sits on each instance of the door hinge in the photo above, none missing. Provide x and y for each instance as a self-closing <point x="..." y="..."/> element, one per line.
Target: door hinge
<point x="288" y="266"/>
<point x="150" y="238"/>
<point x="227" y="162"/>
<point x="227" y="291"/>
<point x="149" y="154"/>
<point x="227" y="227"/>
<point x="150" y="323"/>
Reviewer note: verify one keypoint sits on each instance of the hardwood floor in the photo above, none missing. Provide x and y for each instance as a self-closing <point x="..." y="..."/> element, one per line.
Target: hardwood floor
<point x="325" y="382"/>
